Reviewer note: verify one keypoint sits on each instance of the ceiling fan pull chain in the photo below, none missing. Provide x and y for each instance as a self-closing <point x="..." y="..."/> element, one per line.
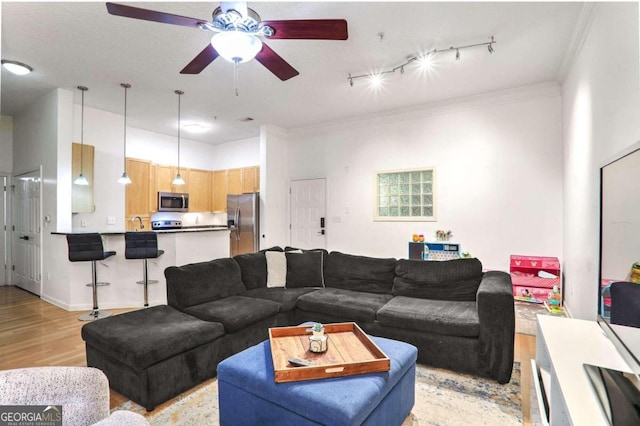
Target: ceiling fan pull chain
<point x="235" y="75"/>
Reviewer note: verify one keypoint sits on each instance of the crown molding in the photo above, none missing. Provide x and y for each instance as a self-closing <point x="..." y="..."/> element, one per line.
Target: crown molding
<point x="578" y="38"/>
<point x="483" y="100"/>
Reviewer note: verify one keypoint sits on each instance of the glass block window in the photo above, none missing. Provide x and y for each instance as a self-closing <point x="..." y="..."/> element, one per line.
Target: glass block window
<point x="407" y="195"/>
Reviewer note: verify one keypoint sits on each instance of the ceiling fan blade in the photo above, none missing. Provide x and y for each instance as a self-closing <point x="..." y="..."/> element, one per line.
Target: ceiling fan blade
<point x="152" y="15"/>
<point x="309" y="29"/>
<point x="201" y="61"/>
<point x="274" y="63"/>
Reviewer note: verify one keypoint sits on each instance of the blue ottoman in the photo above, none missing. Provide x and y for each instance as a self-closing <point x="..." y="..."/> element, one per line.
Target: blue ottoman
<point x="248" y="394"/>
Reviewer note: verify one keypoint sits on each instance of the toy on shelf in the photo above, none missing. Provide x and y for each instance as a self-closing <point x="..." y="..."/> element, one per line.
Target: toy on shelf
<point x="555" y="299"/>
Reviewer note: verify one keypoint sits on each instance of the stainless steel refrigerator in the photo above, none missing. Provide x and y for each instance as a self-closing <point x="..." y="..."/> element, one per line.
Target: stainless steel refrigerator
<point x="243" y="219"/>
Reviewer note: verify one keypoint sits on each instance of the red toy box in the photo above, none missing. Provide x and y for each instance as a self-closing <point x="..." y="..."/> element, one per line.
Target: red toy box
<point x="525" y="275"/>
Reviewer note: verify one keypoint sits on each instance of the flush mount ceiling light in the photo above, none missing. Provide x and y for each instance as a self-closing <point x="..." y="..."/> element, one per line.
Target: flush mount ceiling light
<point x="423" y="60"/>
<point x="178" y="179"/>
<point x="195" y="128"/>
<point x="236" y="46"/>
<point x="81" y="179"/>
<point x="16" y="67"/>
<point x="124" y="179"/>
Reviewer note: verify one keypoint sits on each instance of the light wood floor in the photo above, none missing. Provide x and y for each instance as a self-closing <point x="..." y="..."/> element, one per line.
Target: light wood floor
<point x="35" y="333"/>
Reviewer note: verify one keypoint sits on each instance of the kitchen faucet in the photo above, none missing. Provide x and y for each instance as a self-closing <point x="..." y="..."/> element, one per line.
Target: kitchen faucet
<point x="133" y="225"/>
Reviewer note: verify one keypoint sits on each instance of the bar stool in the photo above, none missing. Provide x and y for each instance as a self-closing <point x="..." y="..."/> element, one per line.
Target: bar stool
<point x="88" y="247"/>
<point x="143" y="245"/>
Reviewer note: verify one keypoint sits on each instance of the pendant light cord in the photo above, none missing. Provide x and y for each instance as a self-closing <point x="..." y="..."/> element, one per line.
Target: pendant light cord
<point x="179" y="93"/>
<point x="126" y="86"/>
<point x="83" y="89"/>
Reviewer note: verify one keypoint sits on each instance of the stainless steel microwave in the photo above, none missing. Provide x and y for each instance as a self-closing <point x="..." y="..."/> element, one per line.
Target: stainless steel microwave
<point x="173" y="202"/>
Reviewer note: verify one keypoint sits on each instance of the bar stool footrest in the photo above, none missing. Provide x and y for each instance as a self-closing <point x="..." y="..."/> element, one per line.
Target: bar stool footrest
<point x="148" y="282"/>
<point x="100" y="284"/>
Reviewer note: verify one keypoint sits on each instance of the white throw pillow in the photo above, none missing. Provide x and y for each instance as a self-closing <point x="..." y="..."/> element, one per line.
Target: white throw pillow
<point x="277" y="268"/>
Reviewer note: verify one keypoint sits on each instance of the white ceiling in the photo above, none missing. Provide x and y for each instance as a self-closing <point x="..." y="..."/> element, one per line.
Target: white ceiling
<point x="71" y="44"/>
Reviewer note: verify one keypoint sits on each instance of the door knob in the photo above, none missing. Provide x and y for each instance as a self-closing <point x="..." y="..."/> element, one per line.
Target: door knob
<point x="26" y="238"/>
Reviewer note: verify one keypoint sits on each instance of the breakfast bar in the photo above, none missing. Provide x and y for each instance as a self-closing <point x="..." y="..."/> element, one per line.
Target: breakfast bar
<point x="66" y="281"/>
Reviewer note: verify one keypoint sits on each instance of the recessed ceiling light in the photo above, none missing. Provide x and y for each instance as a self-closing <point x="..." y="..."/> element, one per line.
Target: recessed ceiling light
<point x="195" y="128"/>
<point x="16" y="67"/>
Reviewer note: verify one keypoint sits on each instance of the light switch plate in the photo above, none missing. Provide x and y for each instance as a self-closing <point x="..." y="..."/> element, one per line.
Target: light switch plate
<point x="111" y="220"/>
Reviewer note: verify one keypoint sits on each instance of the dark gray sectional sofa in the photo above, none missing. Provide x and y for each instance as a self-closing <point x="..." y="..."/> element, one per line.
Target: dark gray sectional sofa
<point x="458" y="316"/>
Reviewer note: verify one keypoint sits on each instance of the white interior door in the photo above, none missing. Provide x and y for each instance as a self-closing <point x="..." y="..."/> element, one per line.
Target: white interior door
<point x="308" y="208"/>
<point x="27" y="258"/>
<point x="3" y="233"/>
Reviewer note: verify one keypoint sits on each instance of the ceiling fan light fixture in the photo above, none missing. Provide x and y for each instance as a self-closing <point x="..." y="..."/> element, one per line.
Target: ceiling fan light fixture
<point x="236" y="46"/>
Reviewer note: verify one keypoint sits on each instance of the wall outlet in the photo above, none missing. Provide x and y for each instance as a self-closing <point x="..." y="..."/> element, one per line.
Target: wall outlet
<point x="83" y="223"/>
<point x="111" y="220"/>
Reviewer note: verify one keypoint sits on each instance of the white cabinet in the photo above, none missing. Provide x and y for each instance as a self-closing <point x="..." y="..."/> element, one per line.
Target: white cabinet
<point x="563" y="345"/>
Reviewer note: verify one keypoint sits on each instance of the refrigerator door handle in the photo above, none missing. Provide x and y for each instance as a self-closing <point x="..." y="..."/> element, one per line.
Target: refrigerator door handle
<point x="238" y="223"/>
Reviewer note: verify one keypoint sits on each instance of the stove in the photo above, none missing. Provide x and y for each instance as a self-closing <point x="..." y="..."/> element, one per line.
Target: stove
<point x="166" y="224"/>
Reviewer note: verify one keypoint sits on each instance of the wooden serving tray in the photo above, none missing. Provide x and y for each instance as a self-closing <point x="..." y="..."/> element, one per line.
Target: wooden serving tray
<point x="350" y="351"/>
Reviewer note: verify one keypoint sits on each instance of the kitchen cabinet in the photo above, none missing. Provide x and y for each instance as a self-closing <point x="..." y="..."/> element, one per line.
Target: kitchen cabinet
<point x="165" y="176"/>
<point x="219" y="190"/>
<point x="82" y="195"/>
<point x="250" y="179"/>
<point x="200" y="192"/>
<point x="234" y="181"/>
<point x="137" y="193"/>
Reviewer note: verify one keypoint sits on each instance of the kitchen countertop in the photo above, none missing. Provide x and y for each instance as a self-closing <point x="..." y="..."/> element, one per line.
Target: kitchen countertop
<point x="195" y="228"/>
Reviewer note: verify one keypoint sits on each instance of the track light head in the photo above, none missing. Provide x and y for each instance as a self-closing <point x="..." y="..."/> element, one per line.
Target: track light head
<point x="457" y="54"/>
<point x="490" y="48"/>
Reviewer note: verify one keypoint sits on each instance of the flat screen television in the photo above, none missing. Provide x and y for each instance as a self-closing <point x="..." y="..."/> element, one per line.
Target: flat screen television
<point x="620" y="250"/>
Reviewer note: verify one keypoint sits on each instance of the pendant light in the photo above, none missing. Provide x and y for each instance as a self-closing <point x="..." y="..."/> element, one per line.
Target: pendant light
<point x="124" y="179"/>
<point x="81" y="180"/>
<point x="178" y="180"/>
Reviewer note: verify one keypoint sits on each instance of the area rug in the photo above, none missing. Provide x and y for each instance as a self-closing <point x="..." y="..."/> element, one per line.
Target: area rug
<point x="526" y="316"/>
<point x="442" y="398"/>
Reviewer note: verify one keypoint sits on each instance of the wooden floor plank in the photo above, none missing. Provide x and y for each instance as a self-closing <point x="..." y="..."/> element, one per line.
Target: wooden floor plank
<point x="35" y="333"/>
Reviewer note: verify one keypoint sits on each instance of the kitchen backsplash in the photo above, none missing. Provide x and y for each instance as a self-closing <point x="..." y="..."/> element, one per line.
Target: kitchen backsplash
<point x="193" y="219"/>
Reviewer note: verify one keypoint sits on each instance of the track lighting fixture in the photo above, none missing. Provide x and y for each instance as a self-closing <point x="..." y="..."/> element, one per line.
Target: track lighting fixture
<point x="423" y="60"/>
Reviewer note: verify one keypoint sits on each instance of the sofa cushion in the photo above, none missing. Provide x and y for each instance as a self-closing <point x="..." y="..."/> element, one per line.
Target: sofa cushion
<point x="147" y="336"/>
<point x="359" y="273"/>
<point x="235" y="312"/>
<point x="276" y="269"/>
<point x="202" y="282"/>
<point x="253" y="269"/>
<point x="304" y="269"/>
<point x="347" y="304"/>
<point x="286" y="297"/>
<point x="457" y="279"/>
<point x="445" y="317"/>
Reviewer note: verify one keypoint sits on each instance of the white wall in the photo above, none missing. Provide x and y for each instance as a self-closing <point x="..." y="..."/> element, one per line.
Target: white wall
<point x="601" y="107"/>
<point x="41" y="133"/>
<point x="274" y="187"/>
<point x="6" y="145"/>
<point x="498" y="162"/>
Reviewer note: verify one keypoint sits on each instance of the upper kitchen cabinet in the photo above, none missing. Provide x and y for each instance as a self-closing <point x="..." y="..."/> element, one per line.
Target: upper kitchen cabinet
<point x="137" y="198"/>
<point x="251" y="179"/>
<point x="165" y="176"/>
<point x="219" y="190"/>
<point x="234" y="184"/>
<point x="200" y="190"/>
<point x="82" y="195"/>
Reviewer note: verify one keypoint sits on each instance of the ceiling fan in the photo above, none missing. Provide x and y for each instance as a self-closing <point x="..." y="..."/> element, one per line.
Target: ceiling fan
<point x="239" y="31"/>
